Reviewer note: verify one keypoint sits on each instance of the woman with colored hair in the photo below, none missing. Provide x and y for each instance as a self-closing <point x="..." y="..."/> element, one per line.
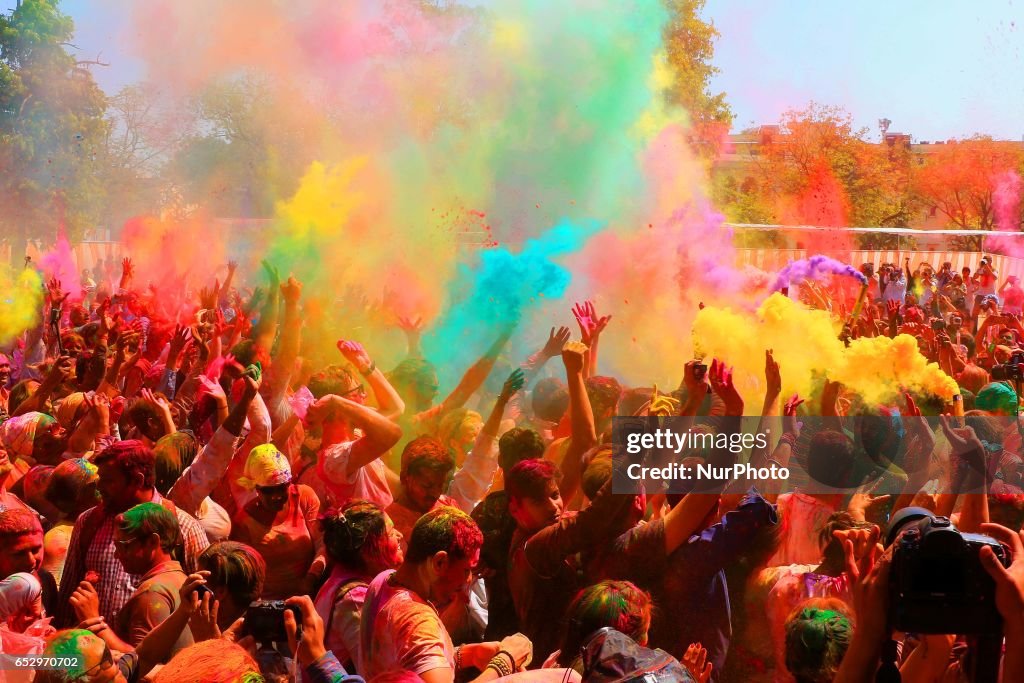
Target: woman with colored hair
<point x="362" y="542"/>
<point x="818" y="633"/>
<point x="459" y="430"/>
<point x="280" y="522"/>
<point x="618" y="604"/>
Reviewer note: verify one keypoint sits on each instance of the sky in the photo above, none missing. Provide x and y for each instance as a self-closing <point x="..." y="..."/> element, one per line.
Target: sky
<point x="938" y="69"/>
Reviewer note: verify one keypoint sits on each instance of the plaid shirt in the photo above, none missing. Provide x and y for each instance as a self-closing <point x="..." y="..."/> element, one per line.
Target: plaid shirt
<point x="115" y="585"/>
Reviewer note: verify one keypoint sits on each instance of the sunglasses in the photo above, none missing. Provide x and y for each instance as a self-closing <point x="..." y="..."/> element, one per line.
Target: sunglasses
<point x="105" y="663"/>
<point x="359" y="390"/>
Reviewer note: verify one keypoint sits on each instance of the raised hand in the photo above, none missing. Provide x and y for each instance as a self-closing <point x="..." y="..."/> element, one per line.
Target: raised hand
<point x="720" y="377"/>
<point x="591" y="325"/>
<point x="355" y="353"/>
<point x="213" y="388"/>
<point x="556" y="341"/>
<point x="291" y="290"/>
<point x="572" y="356"/>
<point x="272" y="274"/>
<point x="790" y="425"/>
<point x="411" y="324"/>
<point x="695" y="661"/>
<point x="513" y="384"/>
<point x="696" y="383"/>
<point x="1009" y="580"/>
<point x="772" y="376"/>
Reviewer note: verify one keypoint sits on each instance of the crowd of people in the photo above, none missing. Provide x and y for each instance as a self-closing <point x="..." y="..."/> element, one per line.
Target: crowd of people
<point x="185" y="496"/>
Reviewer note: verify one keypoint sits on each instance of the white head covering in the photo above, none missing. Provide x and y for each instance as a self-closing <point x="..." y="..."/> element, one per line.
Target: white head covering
<point x="17" y="593"/>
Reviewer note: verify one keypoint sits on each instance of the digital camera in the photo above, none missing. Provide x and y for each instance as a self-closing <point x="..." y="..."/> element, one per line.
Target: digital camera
<point x="937" y="583"/>
<point x="264" y="621"/>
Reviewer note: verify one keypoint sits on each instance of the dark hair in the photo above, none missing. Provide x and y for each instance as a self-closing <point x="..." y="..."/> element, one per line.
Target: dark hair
<point x="132" y="457"/>
<point x="17" y="522"/>
<point x="634" y="399"/>
<point x="426" y="454"/>
<point x="818" y="633"/>
<point x="550" y="399"/>
<point x="141" y="411"/>
<point x="334" y="379"/>
<point x="598" y="470"/>
<point x="529" y="479"/>
<point x="414" y="372"/>
<point x="146" y="519"/>
<point x="618" y="604"/>
<point x="358" y="525"/>
<point x="172" y="454"/>
<point x="445" y="529"/>
<point x="244" y="352"/>
<point x="518" y="444"/>
<point x="604" y="394"/>
<point x="67" y="482"/>
<point x="20" y="393"/>
<point x="237" y="567"/>
<point x="830" y="458"/>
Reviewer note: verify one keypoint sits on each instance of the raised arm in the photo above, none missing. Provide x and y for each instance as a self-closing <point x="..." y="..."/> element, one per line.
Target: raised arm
<point x="591" y="326"/>
<point x="288" y="344"/>
<point x="60" y="371"/>
<point x="211" y="463"/>
<point x="389" y="403"/>
<point x="471" y="481"/>
<point x="379" y="433"/>
<point x="476" y="375"/>
<point x="584" y="432"/>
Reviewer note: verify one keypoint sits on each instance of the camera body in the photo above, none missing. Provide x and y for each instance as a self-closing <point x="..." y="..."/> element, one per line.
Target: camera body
<point x="1010" y="370"/>
<point x="264" y="621"/>
<point x="937" y="583"/>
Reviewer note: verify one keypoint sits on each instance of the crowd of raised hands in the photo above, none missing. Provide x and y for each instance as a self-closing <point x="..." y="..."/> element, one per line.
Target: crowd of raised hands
<point x="195" y="486"/>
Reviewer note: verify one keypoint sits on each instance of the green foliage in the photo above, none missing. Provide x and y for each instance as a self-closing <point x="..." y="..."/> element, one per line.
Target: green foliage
<point x="689" y="48"/>
<point x="52" y="129"/>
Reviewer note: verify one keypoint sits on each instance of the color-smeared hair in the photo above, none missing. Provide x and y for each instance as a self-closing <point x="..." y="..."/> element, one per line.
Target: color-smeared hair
<point x="529" y="479"/>
<point x="146" y="519"/>
<point x="426" y="454"/>
<point x="212" y="661"/>
<point x="237" y="567"/>
<point x="357" y="530"/>
<point x="818" y="634"/>
<point x="518" y="444"/>
<point x="618" y="604"/>
<point x="445" y="529"/>
<point x="132" y="457"/>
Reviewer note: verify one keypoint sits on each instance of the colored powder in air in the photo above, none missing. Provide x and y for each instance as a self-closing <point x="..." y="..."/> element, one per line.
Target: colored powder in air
<point x="503" y="288"/>
<point x="880" y="369"/>
<point x="806" y="346"/>
<point x="59" y="262"/>
<point x="20" y="302"/>
<point x="815" y="268"/>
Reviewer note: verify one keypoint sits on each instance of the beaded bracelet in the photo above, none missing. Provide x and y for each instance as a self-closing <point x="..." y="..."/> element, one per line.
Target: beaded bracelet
<point x="500" y="666"/>
<point x="458" y="658"/>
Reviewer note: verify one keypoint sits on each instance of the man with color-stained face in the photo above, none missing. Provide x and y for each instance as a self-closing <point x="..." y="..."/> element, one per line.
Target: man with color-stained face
<point x="126" y="479"/>
<point x="145" y="537"/>
<point x="426" y="467"/>
<point x="21" y="549"/>
<point x="5" y="381"/>
<point x="400" y="628"/>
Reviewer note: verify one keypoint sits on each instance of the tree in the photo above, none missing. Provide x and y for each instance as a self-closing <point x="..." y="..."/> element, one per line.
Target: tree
<point x="51" y="127"/>
<point x="689" y="48"/>
<point x="816" y="169"/>
<point x="962" y="179"/>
